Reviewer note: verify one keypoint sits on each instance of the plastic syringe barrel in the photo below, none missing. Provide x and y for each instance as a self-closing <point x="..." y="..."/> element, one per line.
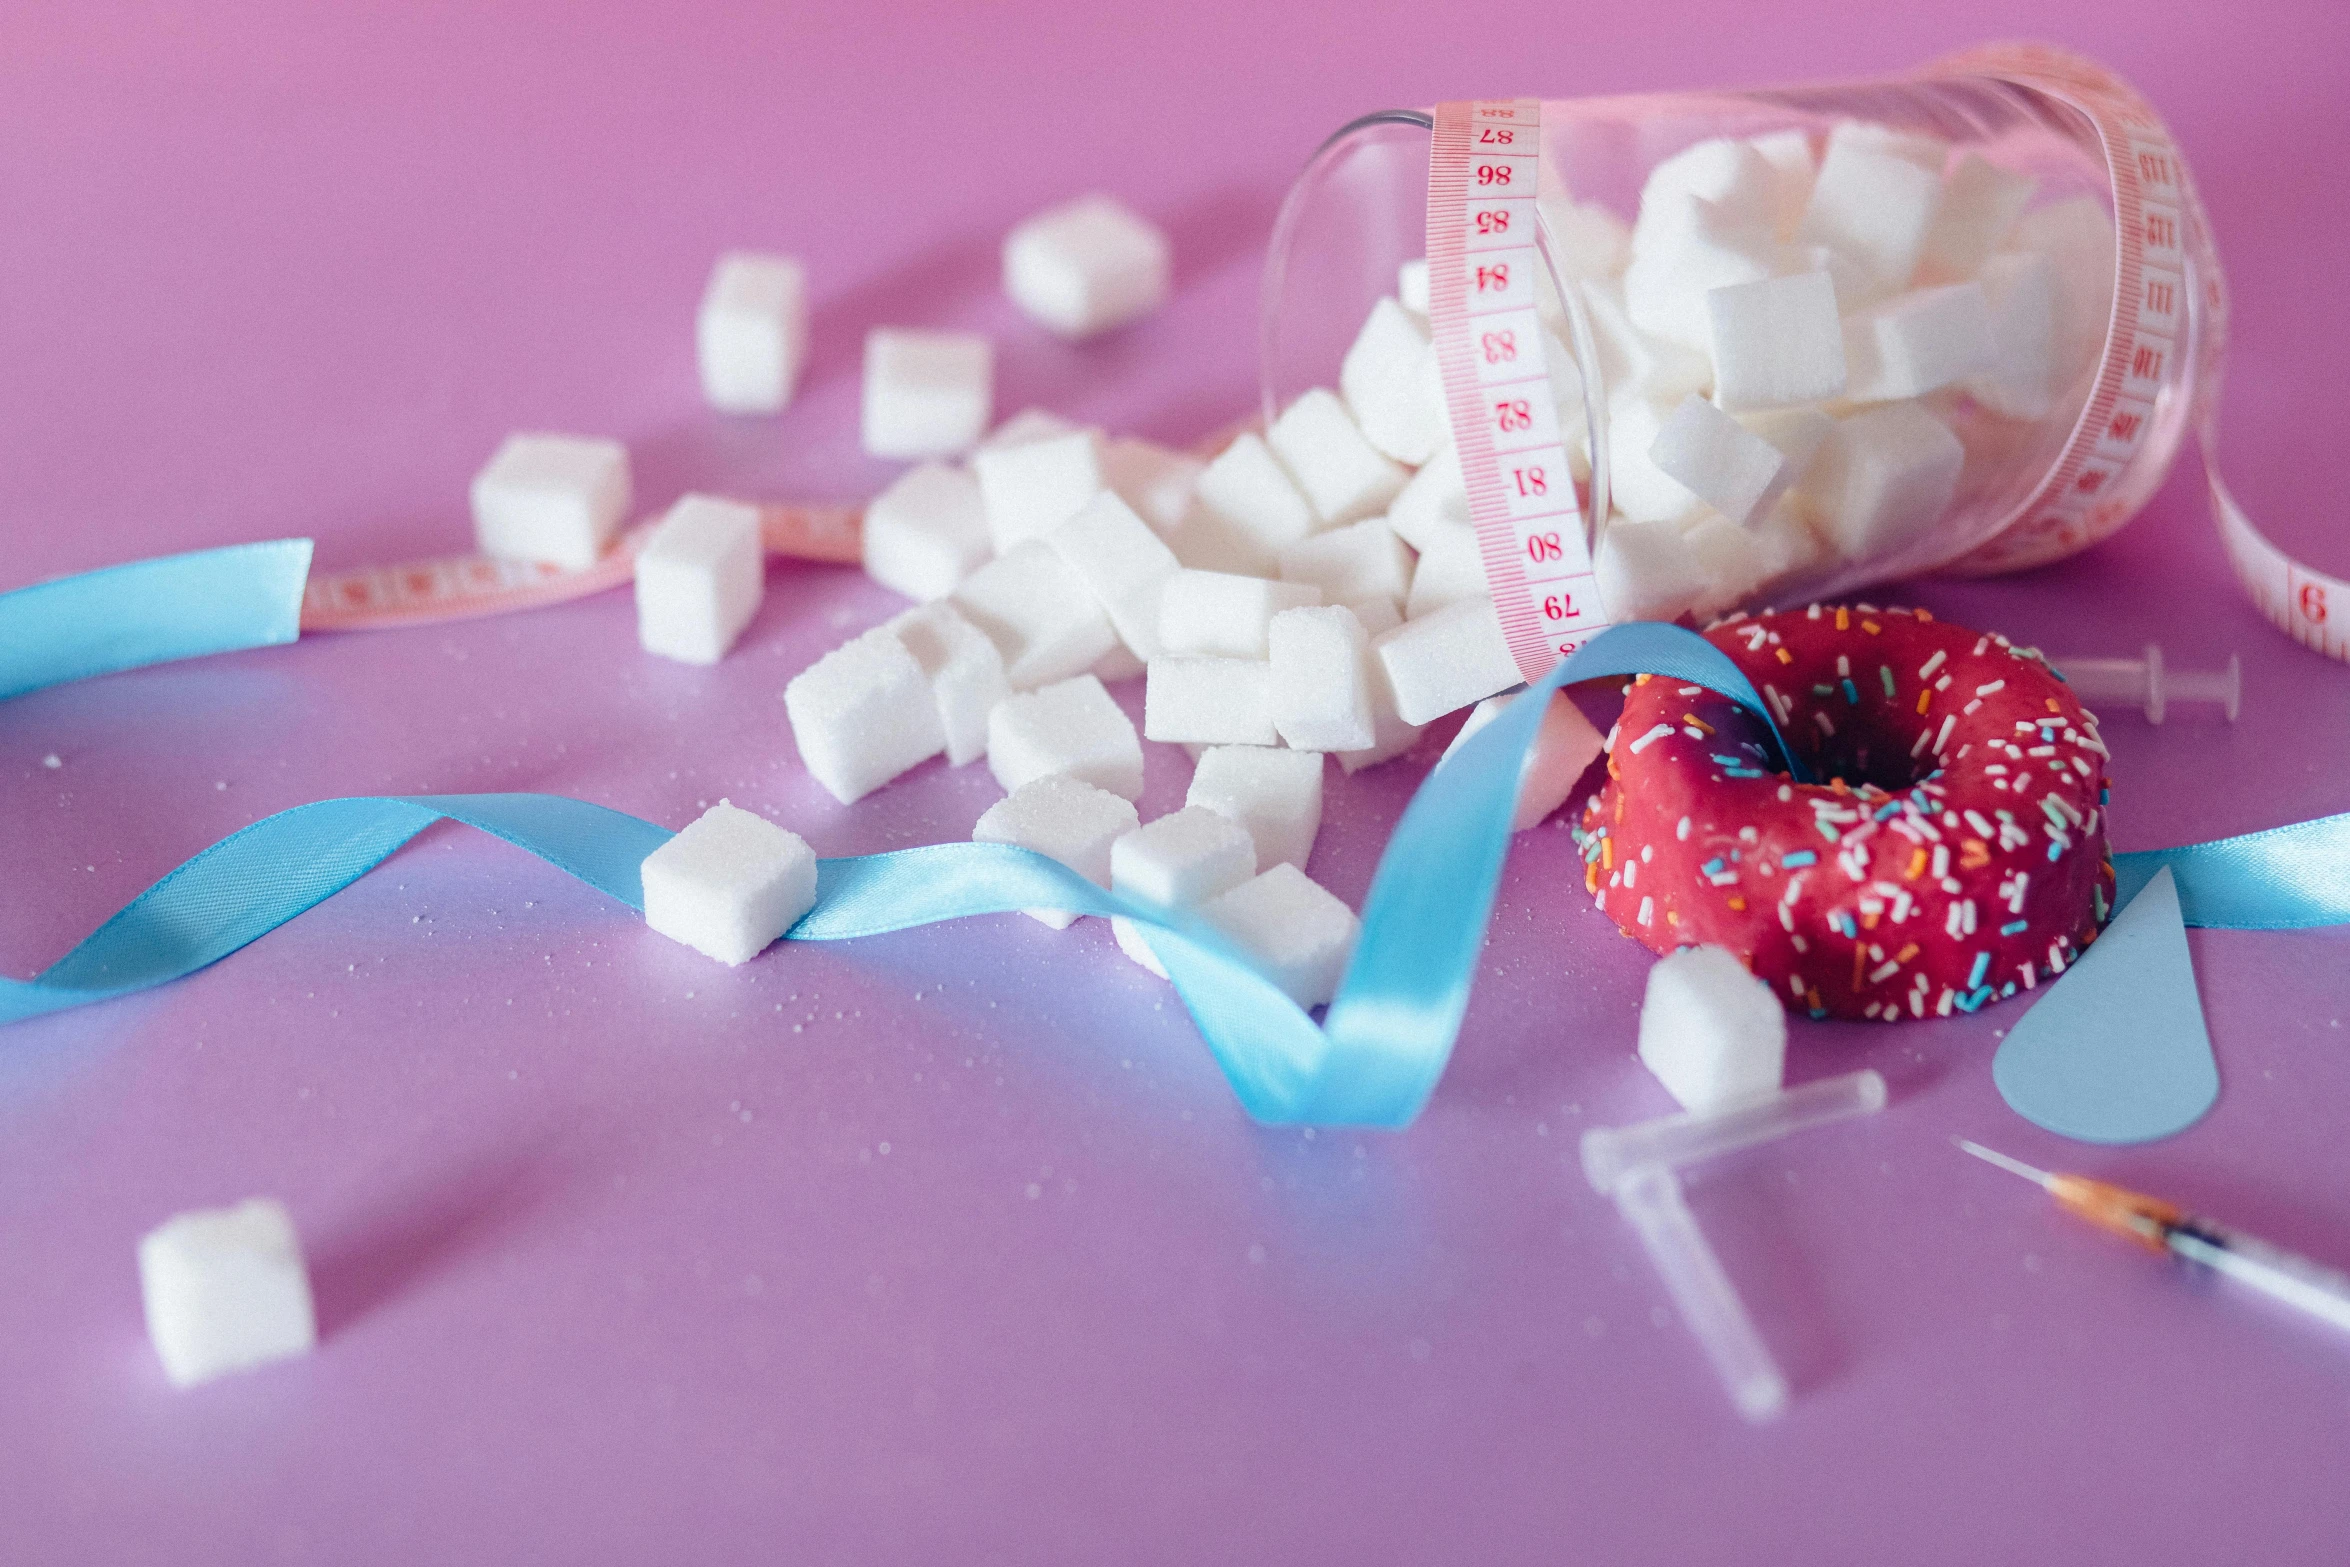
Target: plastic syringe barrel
<point x="1610" y="1153"/>
<point x="2152" y="685"/>
<point x="1649" y="1198"/>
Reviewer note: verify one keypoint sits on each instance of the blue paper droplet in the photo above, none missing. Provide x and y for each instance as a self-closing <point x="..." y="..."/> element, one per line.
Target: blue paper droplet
<point x="2117" y="1051"/>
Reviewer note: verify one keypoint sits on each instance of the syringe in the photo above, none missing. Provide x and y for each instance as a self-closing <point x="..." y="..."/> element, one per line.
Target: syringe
<point x="2304" y="1285"/>
<point x="2152" y="684"/>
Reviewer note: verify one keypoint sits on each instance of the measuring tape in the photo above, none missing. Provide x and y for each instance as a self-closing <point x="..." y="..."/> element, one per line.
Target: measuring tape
<point x="468" y="586"/>
<point x="1490" y="345"/>
<point x="1482" y="265"/>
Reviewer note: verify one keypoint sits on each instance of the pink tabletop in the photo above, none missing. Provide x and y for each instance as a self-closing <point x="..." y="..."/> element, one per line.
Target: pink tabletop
<point x="952" y="1245"/>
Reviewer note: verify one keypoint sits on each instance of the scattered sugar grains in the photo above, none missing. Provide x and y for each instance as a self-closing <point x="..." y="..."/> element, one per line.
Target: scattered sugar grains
<point x="225" y="1289"/>
<point x="1065" y="820"/>
<point x="553" y="499"/>
<point x="1086" y="266"/>
<point x="729" y="884"/>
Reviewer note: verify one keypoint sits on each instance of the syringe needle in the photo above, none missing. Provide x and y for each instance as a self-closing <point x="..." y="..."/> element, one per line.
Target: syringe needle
<point x="2039" y="1178"/>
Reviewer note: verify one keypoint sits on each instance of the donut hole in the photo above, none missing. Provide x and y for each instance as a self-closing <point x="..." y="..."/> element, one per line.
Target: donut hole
<point x="1870" y="747"/>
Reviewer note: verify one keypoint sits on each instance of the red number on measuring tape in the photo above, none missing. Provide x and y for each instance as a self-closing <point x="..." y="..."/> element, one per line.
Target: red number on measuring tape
<point x="1500" y="347"/>
<point x="1558" y="606"/>
<point x="1513" y="414"/>
<point x="1530" y="481"/>
<point x="1493" y="221"/>
<point x="1543" y="546"/>
<point x="1493" y="174"/>
<point x="1495" y="277"/>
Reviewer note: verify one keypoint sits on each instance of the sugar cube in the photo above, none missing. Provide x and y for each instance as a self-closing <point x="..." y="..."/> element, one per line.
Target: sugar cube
<point x="1796" y="432"/>
<point x="1064" y="819"/>
<point x="1411" y="286"/>
<point x="1980" y="203"/>
<point x="1390" y="735"/>
<point x="699" y="578"/>
<point x="1881" y="477"/>
<point x="1918" y="342"/>
<point x="1451" y="570"/>
<point x="1295" y="929"/>
<point x="1275" y="794"/>
<point x="1721" y="183"/>
<point x="751" y="333"/>
<point x="1321" y="680"/>
<point x="1157" y="482"/>
<point x="1123" y="564"/>
<point x="1875" y="205"/>
<point x="1666" y="287"/>
<point x="1789" y="154"/>
<point x="1712" y="1033"/>
<point x="1224" y="614"/>
<point x="1927" y="152"/>
<point x="1030" y="487"/>
<point x="1446" y="660"/>
<point x="1086" y="266"/>
<point x="1183" y="858"/>
<point x="1645" y="571"/>
<point x="2021" y="291"/>
<point x="862" y="714"/>
<point x="1391" y="386"/>
<point x="1437" y="496"/>
<point x="1565" y="745"/>
<point x="1587" y="240"/>
<point x="1040" y="613"/>
<point x="2077" y="236"/>
<point x="1071" y="727"/>
<point x="225" y="1289"/>
<point x="1363" y="560"/>
<point x="1253" y="507"/>
<point x="926" y="394"/>
<point x="1636" y="485"/>
<point x="729" y="883"/>
<point x="1029" y="424"/>
<point x="555" y="499"/>
<point x="926" y="532"/>
<point x="1732" y="562"/>
<point x="1208" y="701"/>
<point x="1720" y="461"/>
<point x="1631" y="361"/>
<point x="1341" y="474"/>
<point x="966" y="673"/>
<point x="1776" y="341"/>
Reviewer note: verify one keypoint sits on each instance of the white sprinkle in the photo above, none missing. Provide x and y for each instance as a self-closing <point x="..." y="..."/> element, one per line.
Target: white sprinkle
<point x="1996" y="685"/>
<point x="1682" y="832"/>
<point x="1650" y="738"/>
<point x="1926" y="670"/>
<point x="1947" y="720"/>
<point x="1647" y="910"/>
<point x="52" y="760"/>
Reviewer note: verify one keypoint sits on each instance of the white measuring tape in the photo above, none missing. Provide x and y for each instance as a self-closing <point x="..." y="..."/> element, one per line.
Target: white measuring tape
<point x="1482" y="262"/>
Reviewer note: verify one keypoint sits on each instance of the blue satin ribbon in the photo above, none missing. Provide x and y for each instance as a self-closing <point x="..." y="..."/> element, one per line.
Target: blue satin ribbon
<point x="2281" y="878"/>
<point x="150" y="612"/>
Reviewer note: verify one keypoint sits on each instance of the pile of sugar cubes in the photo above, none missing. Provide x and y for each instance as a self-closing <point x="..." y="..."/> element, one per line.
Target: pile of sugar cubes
<point x="1794" y="333"/>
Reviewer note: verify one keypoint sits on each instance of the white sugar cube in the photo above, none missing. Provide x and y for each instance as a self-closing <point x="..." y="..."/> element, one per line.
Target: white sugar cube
<point x="729" y="883"/>
<point x="1927" y="152"/>
<point x="1029" y="424"/>
<point x="1776" y="341"/>
<point x="1040" y="613"/>
<point x="1030" y="487"/>
<point x="1446" y="660"/>
<point x="1321" y="680"/>
<point x="1565" y="744"/>
<point x="926" y="532"/>
<point x="1071" y="727"/>
<point x="1276" y="795"/>
<point x="1086" y="266"/>
<point x="1980" y="203"/>
<point x="1208" y="701"/>
<point x="926" y="394"/>
<point x="1732" y="562"/>
<point x="1796" y="432"/>
<point x="1391" y="385"/>
<point x="1451" y="570"/>
<point x="1411" y="286"/>
<point x="862" y="714"/>
<point x="1918" y="342"/>
<point x="966" y="673"/>
<point x="1157" y="482"/>
<point x="2021" y="292"/>
<point x="1437" y="497"/>
<point x="2076" y="235"/>
<point x="1712" y="1033"/>
<point x="1064" y="819"/>
<point x="1875" y="205"/>
<point x="1881" y="478"/>
<point x="699" y="578"/>
<point x="1297" y="931"/>
<point x="751" y="334"/>
<point x="1630" y="361"/>
<point x="555" y="499"/>
<point x="1666" y="288"/>
<point x="1793" y="169"/>
<point x="1390" y="735"/>
<point x="1720" y="184"/>
<point x="1363" y="560"/>
<point x="1253" y="507"/>
<point x="1645" y="571"/>
<point x="1123" y="564"/>
<point x="1224" y="614"/>
<point x="1719" y="460"/>
<point x="1636" y="485"/>
<point x="1183" y="858"/>
<point x="1587" y="240"/>
<point x="1341" y="474"/>
<point x="225" y="1290"/>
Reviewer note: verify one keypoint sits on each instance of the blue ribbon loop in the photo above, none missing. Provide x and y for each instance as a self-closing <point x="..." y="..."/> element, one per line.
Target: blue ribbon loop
<point x="150" y="612"/>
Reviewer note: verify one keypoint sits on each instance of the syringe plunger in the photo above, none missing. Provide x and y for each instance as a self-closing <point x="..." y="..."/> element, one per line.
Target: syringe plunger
<point x="2152" y="684"/>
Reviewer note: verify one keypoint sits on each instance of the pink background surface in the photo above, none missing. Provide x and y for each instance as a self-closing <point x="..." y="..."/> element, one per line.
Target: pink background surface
<point x="951" y="1245"/>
